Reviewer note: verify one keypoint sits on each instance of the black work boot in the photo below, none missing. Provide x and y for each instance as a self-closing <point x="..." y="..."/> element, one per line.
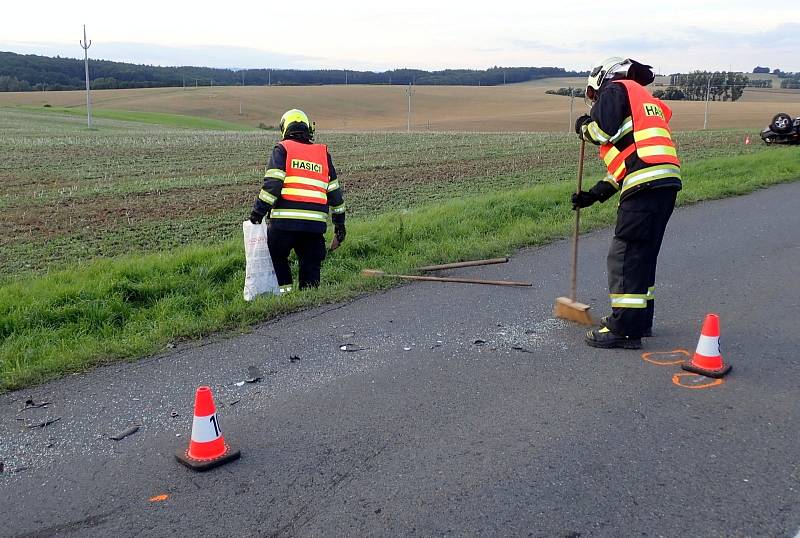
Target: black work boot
<point x="604" y="338"/>
<point x="648" y="332"/>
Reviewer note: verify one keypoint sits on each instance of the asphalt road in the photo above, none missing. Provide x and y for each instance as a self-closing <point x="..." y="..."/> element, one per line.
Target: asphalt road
<point x="424" y="432"/>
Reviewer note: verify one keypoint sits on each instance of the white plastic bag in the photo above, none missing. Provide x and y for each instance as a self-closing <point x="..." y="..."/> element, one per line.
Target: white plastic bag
<point x="259" y="272"/>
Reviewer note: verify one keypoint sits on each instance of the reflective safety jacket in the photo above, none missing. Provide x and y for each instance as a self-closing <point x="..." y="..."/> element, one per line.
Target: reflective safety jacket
<point x="300" y="188"/>
<point x="640" y="152"/>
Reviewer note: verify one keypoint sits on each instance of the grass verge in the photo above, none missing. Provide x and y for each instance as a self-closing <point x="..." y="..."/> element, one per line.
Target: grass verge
<point x="129" y="307"/>
<point x="154" y="118"/>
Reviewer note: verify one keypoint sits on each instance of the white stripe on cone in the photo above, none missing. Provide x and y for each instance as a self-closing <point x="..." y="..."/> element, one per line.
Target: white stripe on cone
<point x="205" y="429"/>
<point x="708" y="346"/>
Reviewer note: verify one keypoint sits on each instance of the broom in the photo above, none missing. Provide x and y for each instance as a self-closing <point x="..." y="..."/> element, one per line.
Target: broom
<point x="568" y="307"/>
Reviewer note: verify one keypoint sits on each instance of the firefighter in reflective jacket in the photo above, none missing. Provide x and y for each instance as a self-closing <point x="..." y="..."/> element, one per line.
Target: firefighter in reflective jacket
<point x="632" y="129"/>
<point x="300" y="189"/>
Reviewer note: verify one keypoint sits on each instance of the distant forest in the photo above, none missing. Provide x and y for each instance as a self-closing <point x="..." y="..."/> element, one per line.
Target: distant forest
<point x="28" y="72"/>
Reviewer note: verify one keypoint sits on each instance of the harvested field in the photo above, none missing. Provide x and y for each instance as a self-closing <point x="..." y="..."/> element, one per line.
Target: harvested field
<point x="512" y="108"/>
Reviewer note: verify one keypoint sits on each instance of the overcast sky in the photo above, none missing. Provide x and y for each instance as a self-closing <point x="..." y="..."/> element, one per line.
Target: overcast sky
<point x="676" y="35"/>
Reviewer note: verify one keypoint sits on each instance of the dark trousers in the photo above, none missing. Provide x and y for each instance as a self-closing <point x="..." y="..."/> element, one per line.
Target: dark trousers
<point x="641" y="221"/>
<point x="310" y="250"/>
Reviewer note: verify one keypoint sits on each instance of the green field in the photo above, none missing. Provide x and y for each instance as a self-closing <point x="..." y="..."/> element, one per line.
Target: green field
<point x="156" y="118"/>
<point x="119" y="240"/>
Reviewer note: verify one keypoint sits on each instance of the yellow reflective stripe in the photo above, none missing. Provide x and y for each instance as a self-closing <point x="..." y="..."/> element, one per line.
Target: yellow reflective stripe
<point x="652" y="151"/>
<point x="651" y="293"/>
<point x="610" y="179"/>
<point x="338" y="208"/>
<point x="264" y="196"/>
<point x="628" y="300"/>
<point x="611" y="155"/>
<point x="649" y="174"/>
<point x="597" y="133"/>
<point x="652" y="132"/>
<point x="627" y="127"/>
<point x="275" y="173"/>
<point x="301" y="214"/>
<point x="304" y="192"/>
<point x="297" y="180"/>
<point x="333" y="185"/>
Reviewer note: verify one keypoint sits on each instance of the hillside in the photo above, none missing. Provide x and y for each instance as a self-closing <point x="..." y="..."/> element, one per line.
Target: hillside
<point x="514" y="107"/>
<point x="30" y="72"/>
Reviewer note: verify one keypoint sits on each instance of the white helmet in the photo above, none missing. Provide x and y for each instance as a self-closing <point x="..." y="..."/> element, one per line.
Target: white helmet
<point x="607" y="69"/>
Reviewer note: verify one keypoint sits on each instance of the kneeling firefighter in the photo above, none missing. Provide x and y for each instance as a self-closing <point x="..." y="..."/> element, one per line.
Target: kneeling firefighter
<point x="300" y="189"/>
<point x="632" y="129"/>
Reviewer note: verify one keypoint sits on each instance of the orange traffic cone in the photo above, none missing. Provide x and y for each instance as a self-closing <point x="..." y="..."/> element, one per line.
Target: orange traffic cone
<point x="707" y="358"/>
<point x="207" y="448"/>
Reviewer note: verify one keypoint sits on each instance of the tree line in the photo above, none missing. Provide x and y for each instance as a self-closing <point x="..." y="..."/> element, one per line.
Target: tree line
<point x="30" y="72"/>
<point x="702" y="85"/>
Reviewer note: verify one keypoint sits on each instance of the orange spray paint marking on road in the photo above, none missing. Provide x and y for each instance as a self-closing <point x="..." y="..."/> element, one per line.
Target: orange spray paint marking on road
<point x="666" y="358"/>
<point x="158" y="498"/>
<point x="695" y="381"/>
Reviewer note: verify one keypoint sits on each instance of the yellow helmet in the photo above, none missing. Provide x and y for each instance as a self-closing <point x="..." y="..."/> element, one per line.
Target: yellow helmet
<point x="295" y="119"/>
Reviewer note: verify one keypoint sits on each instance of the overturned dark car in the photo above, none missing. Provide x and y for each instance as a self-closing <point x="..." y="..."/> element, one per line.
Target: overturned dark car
<point x="782" y="130"/>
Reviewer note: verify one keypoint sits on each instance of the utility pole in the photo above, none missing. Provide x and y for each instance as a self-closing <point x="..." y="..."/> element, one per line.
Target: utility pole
<point x="345" y="77"/>
<point x="708" y="96"/>
<point x="571" y="104"/>
<point x="85" y="45"/>
<point x="243" y="78"/>
<point x="269" y="78"/>
<point x="409" y="93"/>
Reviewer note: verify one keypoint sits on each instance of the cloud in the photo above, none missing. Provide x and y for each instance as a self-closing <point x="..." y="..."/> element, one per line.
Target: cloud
<point x="688" y="47"/>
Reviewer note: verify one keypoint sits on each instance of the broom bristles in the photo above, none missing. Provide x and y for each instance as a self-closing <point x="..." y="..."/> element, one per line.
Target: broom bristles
<point x="566" y="308"/>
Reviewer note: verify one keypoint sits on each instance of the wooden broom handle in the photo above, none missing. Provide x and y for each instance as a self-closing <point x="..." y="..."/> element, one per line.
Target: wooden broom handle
<point x="574" y="288"/>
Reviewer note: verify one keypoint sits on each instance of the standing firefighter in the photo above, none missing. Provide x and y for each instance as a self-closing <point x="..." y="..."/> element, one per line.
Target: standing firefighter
<point x="300" y="187"/>
<point x="632" y="129"/>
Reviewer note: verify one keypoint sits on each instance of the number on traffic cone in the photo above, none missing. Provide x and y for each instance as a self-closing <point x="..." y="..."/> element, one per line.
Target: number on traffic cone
<point x="707" y="358"/>
<point x="207" y="448"/>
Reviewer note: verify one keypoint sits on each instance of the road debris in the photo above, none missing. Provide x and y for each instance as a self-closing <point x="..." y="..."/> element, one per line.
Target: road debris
<point x="158" y="498"/>
<point x="479" y="342"/>
<point x="44" y="423"/>
<point x="522" y="349"/>
<point x="30" y="404"/>
<point x="174" y="414"/>
<point x="2" y="466"/>
<point x="352" y="348"/>
<point x="294" y="358"/>
<point x="125" y="433"/>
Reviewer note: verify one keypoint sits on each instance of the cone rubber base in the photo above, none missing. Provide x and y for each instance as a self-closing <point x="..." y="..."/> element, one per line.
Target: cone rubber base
<point x="716" y="374"/>
<point x="204" y="465"/>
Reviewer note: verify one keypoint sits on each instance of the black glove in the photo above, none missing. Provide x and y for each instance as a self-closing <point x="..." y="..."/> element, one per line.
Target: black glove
<point x="255" y="218"/>
<point x="339" y="232"/>
<point x="580" y="122"/>
<point x="583" y="199"/>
